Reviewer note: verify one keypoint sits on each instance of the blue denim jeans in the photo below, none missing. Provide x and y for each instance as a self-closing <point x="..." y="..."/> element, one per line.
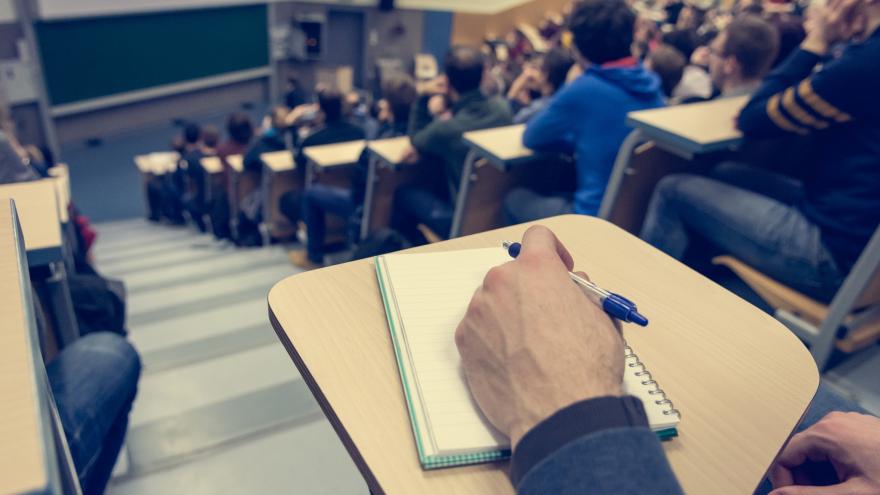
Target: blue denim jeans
<point x="413" y="206"/>
<point x="524" y="205"/>
<point x="319" y="199"/>
<point x="766" y="233"/>
<point x="825" y="401"/>
<point x="94" y="382"/>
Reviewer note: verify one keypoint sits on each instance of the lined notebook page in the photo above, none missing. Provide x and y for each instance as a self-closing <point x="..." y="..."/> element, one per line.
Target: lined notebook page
<point x="432" y="292"/>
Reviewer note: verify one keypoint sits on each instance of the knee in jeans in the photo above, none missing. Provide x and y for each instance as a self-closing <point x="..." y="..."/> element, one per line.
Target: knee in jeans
<point x="125" y="358"/>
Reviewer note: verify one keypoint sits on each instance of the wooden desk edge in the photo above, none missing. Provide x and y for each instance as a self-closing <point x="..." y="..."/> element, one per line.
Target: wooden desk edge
<point x="363" y="467"/>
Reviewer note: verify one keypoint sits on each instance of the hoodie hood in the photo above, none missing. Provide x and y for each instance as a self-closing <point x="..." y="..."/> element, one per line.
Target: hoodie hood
<point x="635" y="79"/>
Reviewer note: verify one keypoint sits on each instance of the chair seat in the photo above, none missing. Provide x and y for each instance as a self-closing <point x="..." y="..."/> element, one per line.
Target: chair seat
<point x="782" y="297"/>
<point x="778" y="295"/>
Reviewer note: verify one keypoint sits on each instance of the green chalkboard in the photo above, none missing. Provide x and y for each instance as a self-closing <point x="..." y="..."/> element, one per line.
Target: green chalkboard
<point x="104" y="56"/>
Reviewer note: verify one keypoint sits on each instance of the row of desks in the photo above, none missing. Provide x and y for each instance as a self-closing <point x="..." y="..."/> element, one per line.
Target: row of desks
<point x="685" y="131"/>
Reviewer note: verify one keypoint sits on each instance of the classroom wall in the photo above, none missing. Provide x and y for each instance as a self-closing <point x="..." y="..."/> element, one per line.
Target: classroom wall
<point x="383" y="38"/>
<point x="100" y="124"/>
<point x="469" y="29"/>
<point x="25" y="115"/>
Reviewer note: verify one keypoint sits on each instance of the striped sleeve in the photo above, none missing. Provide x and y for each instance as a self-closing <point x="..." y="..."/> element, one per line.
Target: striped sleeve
<point x="794" y="100"/>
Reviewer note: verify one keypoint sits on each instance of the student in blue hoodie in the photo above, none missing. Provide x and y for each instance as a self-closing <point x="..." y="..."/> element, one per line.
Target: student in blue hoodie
<point x="587" y="117"/>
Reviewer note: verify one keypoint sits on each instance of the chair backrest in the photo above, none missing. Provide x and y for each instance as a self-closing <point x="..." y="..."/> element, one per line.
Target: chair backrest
<point x="870" y="296"/>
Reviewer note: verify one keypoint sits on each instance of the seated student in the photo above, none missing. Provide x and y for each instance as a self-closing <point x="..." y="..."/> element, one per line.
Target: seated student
<point x="251" y="206"/>
<point x="695" y="80"/>
<point x="332" y="128"/>
<point x="94" y="383"/>
<point x="587" y="117"/>
<point x="240" y="131"/>
<point x="196" y="149"/>
<point x="668" y="63"/>
<point x="571" y="427"/>
<point x="440" y="143"/>
<point x="170" y="188"/>
<point x="535" y="87"/>
<point x="740" y="56"/>
<point x="12" y="164"/>
<point x="399" y="93"/>
<point x="810" y="239"/>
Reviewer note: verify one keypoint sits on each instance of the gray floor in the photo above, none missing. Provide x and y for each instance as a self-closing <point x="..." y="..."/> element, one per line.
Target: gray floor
<point x="221" y="408"/>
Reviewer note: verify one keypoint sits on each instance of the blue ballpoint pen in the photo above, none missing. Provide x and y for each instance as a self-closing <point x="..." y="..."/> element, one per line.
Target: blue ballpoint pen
<point x="614" y="304"/>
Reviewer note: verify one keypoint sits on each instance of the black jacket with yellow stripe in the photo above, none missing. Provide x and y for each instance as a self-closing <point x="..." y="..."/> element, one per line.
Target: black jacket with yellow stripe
<point x="838" y="107"/>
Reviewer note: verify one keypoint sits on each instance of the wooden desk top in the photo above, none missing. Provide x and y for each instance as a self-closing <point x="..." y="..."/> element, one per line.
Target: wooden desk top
<point x="741" y="379"/>
<point x="390" y="150"/>
<point x="157" y="163"/>
<point x="501" y="144"/>
<point x="37" y="207"/>
<point x="279" y="161"/>
<point x="695" y="128"/>
<point x="212" y="164"/>
<point x="236" y="163"/>
<point x="333" y="155"/>
<point x="23" y="457"/>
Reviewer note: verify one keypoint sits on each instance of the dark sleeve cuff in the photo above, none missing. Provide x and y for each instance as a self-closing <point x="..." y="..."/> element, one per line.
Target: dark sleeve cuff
<point x="800" y="64"/>
<point x="573" y="422"/>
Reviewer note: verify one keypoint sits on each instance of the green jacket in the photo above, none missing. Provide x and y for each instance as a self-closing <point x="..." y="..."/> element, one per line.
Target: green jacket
<point x="441" y="140"/>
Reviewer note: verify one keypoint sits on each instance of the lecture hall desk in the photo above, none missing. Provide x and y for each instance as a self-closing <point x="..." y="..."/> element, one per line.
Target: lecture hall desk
<point x="741" y="380"/>
<point x="37" y="206"/>
<point x="386" y="172"/>
<point x="29" y="460"/>
<point x="689" y="130"/>
<point x="279" y="176"/>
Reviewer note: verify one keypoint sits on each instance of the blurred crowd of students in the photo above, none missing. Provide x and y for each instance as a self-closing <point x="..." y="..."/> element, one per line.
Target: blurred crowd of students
<point x="804" y="220"/>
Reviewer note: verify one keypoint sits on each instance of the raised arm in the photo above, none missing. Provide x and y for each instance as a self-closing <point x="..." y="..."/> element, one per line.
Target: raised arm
<point x="794" y="100"/>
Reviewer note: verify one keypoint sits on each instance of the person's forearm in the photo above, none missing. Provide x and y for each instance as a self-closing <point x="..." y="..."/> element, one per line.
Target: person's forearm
<point x="815" y="45"/>
<point x="588" y="446"/>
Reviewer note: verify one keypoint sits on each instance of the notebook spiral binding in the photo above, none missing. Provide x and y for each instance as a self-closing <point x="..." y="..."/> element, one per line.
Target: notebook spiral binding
<point x="632" y="360"/>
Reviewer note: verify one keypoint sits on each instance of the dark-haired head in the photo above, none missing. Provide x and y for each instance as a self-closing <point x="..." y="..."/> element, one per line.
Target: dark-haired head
<point x="399" y="90"/>
<point x="683" y="40"/>
<point x="555" y="66"/>
<point x="602" y="29"/>
<point x="240" y="128"/>
<point x="668" y="63"/>
<point x="191" y="133"/>
<point x="210" y="136"/>
<point x="330" y="103"/>
<point x="464" y="67"/>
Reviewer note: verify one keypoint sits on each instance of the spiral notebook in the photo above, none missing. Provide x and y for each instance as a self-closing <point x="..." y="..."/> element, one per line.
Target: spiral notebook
<point x="425" y="297"/>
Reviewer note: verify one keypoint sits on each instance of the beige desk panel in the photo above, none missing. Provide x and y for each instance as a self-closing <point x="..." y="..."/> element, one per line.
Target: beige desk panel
<point x="21" y="451"/>
<point x="504" y="143"/>
<point x="212" y="164"/>
<point x="741" y="379"/>
<point x="331" y="155"/>
<point x="236" y="163"/>
<point x="279" y="161"/>
<point x="37" y="207"/>
<point x="391" y="150"/>
<point x="702" y="123"/>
